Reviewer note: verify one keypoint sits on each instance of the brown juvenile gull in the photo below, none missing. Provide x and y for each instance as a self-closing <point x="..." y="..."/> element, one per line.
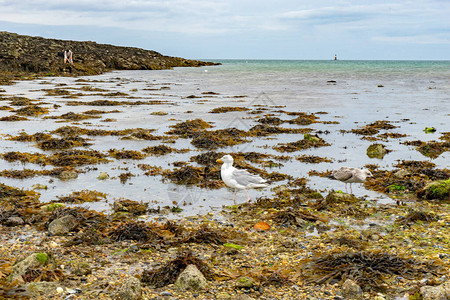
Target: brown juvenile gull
<point x="350" y="175"/>
<point x="239" y="179"/>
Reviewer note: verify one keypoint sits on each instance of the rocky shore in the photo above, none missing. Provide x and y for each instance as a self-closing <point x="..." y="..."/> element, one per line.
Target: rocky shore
<point x="301" y="242"/>
<point x="25" y="56"/>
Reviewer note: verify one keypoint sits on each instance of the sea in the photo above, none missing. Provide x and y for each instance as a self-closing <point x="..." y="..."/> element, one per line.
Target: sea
<point x="345" y="95"/>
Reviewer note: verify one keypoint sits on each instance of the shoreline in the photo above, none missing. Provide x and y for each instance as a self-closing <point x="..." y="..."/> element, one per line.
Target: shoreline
<point x="298" y="226"/>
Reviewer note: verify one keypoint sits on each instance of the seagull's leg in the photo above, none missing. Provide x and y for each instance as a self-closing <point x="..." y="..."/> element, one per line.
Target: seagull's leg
<point x="351" y="189"/>
<point x="346" y="188"/>
<point x="234" y="198"/>
<point x="248" y="197"/>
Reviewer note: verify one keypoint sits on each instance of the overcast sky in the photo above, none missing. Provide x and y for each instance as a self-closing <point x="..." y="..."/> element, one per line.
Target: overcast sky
<point x="283" y="29"/>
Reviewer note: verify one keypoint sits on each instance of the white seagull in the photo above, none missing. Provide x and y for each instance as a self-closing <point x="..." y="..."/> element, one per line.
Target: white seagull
<point x="239" y="179"/>
<point x="350" y="175"/>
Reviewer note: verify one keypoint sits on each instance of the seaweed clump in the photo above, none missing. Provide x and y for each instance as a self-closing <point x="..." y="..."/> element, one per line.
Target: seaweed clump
<point x="225" y="109"/>
<point x="126" y="154"/>
<point x="129" y="206"/>
<point x="308" y="141"/>
<point x="430" y="149"/>
<point x="416" y="216"/>
<point x="189" y="127"/>
<point x="368" y="269"/>
<point x="136" y="231"/>
<point x="373" y="128"/>
<point x="82" y="197"/>
<point x="205" y="235"/>
<point x="169" y="272"/>
<point x="219" y="138"/>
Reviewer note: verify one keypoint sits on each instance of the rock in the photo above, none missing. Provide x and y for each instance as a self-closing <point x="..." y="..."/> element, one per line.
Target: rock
<point x="103" y="176"/>
<point x="401" y="173"/>
<point x="44" y="288"/>
<point x="339" y="197"/>
<point x="436" y="190"/>
<point x="166" y="294"/>
<point x="440" y="292"/>
<point x="376" y="151"/>
<point x="245" y="282"/>
<point x="62" y="225"/>
<point x="33" y="261"/>
<point x="351" y="290"/>
<point x="244" y="297"/>
<point x="191" y="279"/>
<point x="82" y="269"/>
<point x="129" y="290"/>
<point x="223" y="295"/>
<point x="38" y="186"/>
<point x="14" y="221"/>
<point x="68" y="174"/>
<point x="21" y="53"/>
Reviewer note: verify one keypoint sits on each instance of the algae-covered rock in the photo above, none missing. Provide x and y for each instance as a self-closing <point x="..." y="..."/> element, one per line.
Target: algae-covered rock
<point x="339" y="197"/>
<point x="245" y="282"/>
<point x="436" y="190"/>
<point x="377" y="151"/>
<point x="33" y="261"/>
<point x="191" y="279"/>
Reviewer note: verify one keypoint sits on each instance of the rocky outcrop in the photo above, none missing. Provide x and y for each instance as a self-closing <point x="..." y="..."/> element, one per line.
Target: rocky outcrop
<point x="37" y="55"/>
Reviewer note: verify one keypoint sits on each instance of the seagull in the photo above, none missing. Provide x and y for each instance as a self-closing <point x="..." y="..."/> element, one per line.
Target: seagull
<point x="239" y="179"/>
<point x="350" y="175"/>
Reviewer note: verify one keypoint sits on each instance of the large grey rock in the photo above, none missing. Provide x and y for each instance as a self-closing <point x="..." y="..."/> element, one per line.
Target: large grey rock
<point x="62" y="225"/>
<point x="129" y="290"/>
<point x="191" y="279"/>
<point x="440" y="292"/>
<point x="351" y="290"/>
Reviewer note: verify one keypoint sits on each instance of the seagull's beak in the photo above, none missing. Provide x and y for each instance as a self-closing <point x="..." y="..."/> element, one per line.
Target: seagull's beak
<point x="219" y="161"/>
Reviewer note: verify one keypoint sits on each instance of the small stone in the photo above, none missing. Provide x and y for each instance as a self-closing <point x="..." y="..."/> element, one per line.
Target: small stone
<point x="166" y="294"/>
<point x="129" y="290"/>
<point x="82" y="269"/>
<point x="38" y="186"/>
<point x="401" y="173"/>
<point x="68" y="174"/>
<point x="103" y="176"/>
<point x="191" y="279"/>
<point x="245" y="282"/>
<point x="14" y="221"/>
<point x="62" y="225"/>
<point x="351" y="290"/>
<point x="223" y="295"/>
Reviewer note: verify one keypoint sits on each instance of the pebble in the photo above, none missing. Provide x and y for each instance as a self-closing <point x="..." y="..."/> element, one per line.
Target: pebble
<point x="166" y="294"/>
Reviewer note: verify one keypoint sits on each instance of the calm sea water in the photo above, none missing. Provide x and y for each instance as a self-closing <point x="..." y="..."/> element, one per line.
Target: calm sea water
<point x="411" y="94"/>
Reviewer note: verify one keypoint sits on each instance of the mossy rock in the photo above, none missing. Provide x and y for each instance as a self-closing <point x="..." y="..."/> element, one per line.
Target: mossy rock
<point x="339" y="197"/>
<point x="439" y="190"/>
<point x="377" y="151"/>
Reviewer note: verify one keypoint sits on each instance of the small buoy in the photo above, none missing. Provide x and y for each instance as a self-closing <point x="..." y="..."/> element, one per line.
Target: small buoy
<point x="206" y="70"/>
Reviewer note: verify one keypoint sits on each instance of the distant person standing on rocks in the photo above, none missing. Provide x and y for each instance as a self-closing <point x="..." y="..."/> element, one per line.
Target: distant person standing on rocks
<point x="68" y="57"/>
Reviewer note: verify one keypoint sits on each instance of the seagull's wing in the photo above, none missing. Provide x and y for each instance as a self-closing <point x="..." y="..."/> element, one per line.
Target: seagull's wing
<point x="343" y="173"/>
<point x="244" y="178"/>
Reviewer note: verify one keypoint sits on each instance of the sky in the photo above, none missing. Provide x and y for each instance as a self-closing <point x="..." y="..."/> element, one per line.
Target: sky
<point x="240" y="29"/>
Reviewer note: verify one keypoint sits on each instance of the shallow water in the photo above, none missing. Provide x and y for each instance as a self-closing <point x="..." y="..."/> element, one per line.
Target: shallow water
<point x="414" y="95"/>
